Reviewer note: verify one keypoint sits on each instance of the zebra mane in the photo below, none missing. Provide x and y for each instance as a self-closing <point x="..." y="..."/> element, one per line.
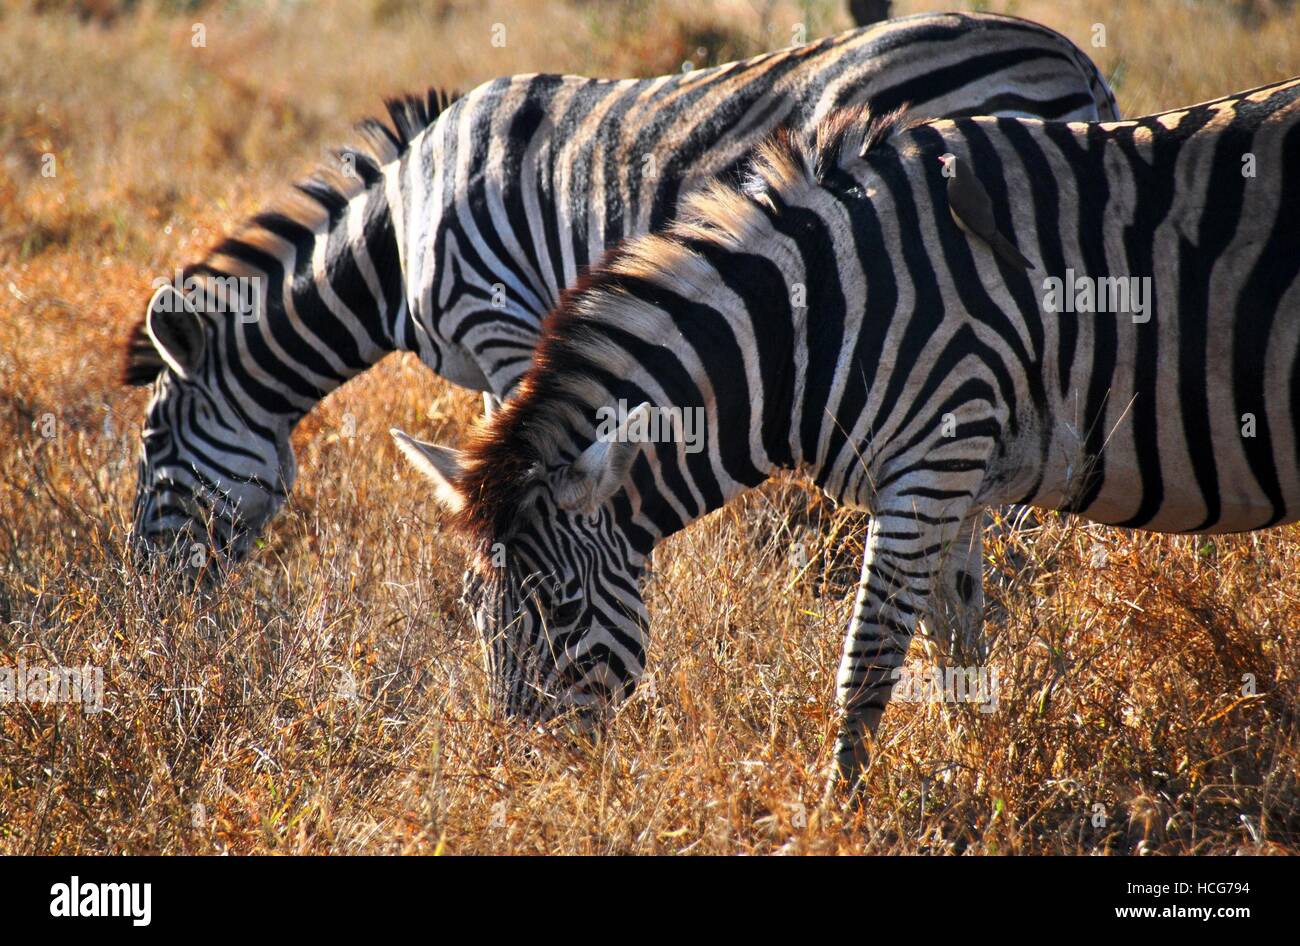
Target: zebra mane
<point x="504" y="457"/>
<point x="307" y="204"/>
<point x="789" y="160"/>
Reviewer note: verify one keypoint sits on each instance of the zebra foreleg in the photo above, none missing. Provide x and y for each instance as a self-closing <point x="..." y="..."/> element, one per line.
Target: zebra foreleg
<point x="906" y="546"/>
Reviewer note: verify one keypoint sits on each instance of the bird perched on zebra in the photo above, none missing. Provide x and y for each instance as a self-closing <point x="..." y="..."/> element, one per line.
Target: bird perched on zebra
<point x="831" y="317"/>
<point x="451" y="231"/>
<point x="972" y="210"/>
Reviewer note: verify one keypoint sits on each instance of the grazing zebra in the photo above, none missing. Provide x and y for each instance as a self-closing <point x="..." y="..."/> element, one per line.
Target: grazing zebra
<point x="453" y="232"/>
<point x="832" y="316"/>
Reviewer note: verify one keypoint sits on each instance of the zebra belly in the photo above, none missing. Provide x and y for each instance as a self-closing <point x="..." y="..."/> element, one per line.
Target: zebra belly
<point x="1187" y="515"/>
<point x="1124" y="490"/>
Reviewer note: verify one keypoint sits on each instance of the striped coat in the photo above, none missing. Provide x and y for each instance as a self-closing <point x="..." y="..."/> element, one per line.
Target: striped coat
<point x="451" y="232"/>
<point x="846" y="314"/>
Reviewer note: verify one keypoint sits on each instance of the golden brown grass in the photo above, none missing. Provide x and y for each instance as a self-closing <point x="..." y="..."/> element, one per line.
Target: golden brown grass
<point x="330" y="700"/>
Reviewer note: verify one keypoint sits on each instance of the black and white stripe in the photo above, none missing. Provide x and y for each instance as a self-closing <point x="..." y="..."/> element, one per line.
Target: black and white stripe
<point x="453" y="231"/>
<point x="832" y="316"/>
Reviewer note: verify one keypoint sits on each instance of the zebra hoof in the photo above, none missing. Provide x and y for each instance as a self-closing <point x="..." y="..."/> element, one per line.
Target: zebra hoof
<point x="848" y="776"/>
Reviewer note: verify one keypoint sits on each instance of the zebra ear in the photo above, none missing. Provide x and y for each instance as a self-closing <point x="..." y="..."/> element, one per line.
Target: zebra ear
<point x="440" y="464"/>
<point x="175" y="330"/>
<point x="600" y="472"/>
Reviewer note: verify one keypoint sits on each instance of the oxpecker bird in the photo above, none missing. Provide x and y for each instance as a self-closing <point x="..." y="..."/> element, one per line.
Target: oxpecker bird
<point x="972" y="209"/>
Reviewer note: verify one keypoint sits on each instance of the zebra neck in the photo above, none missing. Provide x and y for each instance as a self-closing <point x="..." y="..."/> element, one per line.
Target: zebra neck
<point x="723" y="430"/>
<point x="332" y="301"/>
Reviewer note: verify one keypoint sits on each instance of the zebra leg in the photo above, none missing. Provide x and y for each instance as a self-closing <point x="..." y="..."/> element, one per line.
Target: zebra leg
<point x="906" y="544"/>
<point x="954" y="627"/>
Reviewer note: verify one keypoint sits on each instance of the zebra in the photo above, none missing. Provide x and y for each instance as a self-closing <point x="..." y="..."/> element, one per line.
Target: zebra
<point x="451" y="230"/>
<point x="831" y="316"/>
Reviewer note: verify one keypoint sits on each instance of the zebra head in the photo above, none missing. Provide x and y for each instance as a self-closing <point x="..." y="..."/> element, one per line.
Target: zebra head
<point x="553" y="589"/>
<point x="209" y="477"/>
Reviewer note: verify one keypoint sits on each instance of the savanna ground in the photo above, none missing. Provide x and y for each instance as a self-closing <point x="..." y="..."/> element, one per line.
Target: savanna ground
<point x="329" y="699"/>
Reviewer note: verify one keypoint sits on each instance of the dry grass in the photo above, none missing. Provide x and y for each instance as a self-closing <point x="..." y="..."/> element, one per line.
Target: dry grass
<point x="232" y="723"/>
